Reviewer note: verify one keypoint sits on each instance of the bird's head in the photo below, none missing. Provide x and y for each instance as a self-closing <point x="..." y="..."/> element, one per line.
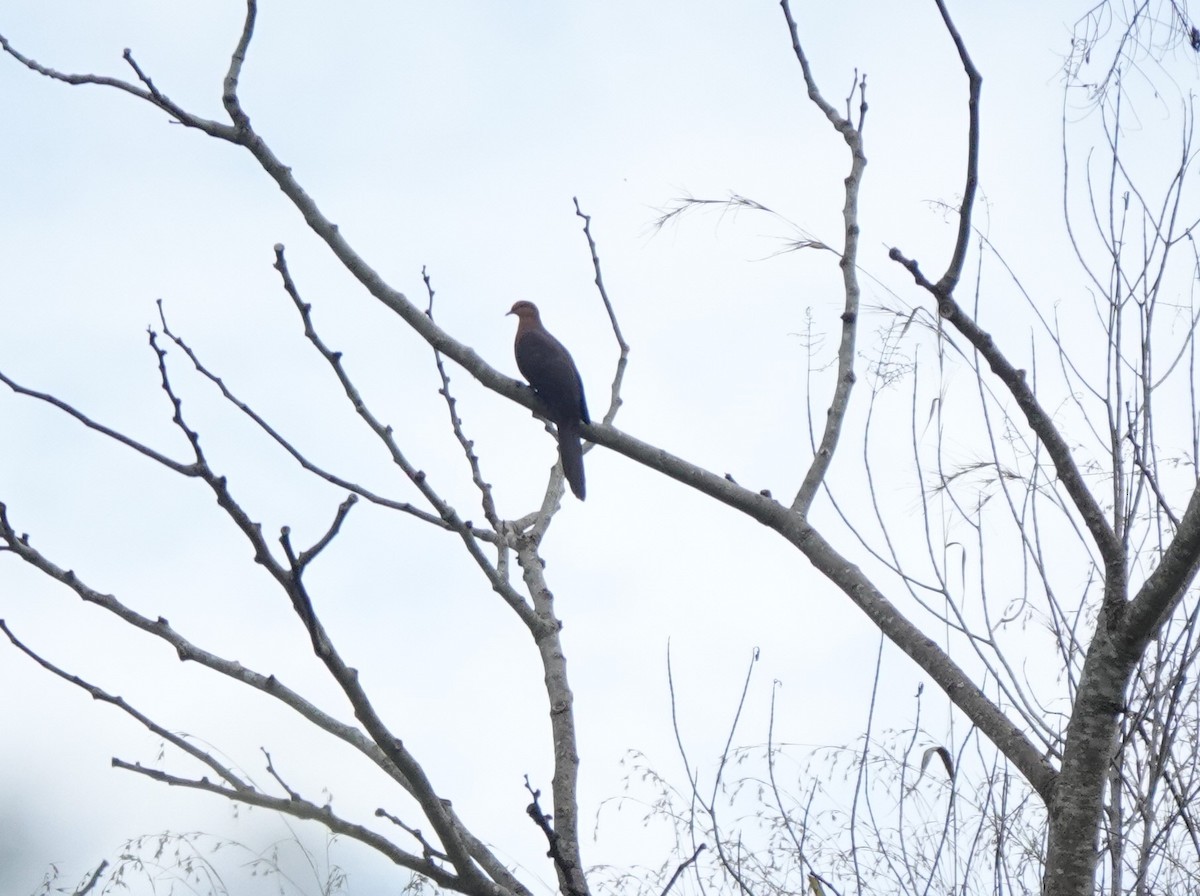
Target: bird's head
<point x="525" y="311"/>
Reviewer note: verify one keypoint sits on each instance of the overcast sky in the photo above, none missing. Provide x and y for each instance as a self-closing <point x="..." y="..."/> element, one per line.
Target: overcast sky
<point x="452" y="136"/>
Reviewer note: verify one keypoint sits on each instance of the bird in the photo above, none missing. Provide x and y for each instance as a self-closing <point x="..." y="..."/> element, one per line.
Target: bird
<point x="547" y="366"/>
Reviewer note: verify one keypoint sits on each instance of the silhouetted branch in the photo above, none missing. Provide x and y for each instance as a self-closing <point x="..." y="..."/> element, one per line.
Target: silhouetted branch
<point x="568" y="872"/>
<point x="91" y="882"/>
<point x="682" y="868"/>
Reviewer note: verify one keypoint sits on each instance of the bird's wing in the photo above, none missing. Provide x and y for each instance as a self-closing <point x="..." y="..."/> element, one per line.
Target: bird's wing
<point x="548" y="367"/>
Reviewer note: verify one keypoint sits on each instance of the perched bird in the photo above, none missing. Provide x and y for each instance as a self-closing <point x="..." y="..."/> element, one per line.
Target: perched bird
<point x="548" y="367"/>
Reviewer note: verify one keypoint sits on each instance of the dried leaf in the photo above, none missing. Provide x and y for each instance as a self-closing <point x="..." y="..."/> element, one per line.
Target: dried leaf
<point x="947" y="761"/>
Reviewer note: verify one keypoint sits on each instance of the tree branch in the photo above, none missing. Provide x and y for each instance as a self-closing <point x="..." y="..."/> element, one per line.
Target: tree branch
<point x="949" y="281"/>
<point x="305" y="809"/>
<point x="840" y="404"/>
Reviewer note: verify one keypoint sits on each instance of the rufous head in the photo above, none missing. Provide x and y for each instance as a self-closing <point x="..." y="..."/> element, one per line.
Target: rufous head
<point x="525" y="311"/>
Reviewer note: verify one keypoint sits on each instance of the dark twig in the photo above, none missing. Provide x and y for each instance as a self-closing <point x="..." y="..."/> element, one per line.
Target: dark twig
<point x="1140" y="462"/>
<point x="949" y="281"/>
<point x="190" y="434"/>
<point x="683" y="867"/>
<point x="297" y="592"/>
<point x="159" y="458"/>
<point x="306" y="557"/>
<point x="93" y="880"/>
<point x="542" y="820"/>
<point x="159" y="99"/>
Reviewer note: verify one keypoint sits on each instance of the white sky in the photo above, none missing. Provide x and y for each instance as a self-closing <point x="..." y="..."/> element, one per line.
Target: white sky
<point x="454" y="135"/>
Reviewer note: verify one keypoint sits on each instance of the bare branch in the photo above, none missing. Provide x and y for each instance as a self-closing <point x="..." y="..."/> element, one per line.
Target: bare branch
<point x="292" y="794"/>
<point x="91" y="882"/>
<point x="145" y="721"/>
<point x="456" y="424"/>
<point x="945" y="286"/>
<point x="1165" y="586"/>
<point x="615" y="401"/>
<point x="150" y="94"/>
<point x="564" y="784"/>
<point x="427" y="850"/>
<point x="308" y="556"/>
<point x="230" y="97"/>
<point x="305" y="809"/>
<point x="384" y="433"/>
<point x="948" y="308"/>
<point x="145" y="450"/>
<point x="840" y="403"/>
<point x="291" y="449"/>
<point x="387" y="750"/>
<point x="682" y="868"/>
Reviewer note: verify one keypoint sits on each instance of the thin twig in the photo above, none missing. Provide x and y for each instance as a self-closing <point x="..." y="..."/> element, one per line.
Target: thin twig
<point x="292" y="450"/>
<point x="305" y="809"/>
<point x="615" y="400"/>
<point x="93" y="880"/>
<point x="566" y="869"/>
<point x="427" y="849"/>
<point x="456" y="424"/>
<point x="683" y="867"/>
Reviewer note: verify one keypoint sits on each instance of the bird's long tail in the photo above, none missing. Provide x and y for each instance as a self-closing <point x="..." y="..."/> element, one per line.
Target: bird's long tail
<point x="570" y="451"/>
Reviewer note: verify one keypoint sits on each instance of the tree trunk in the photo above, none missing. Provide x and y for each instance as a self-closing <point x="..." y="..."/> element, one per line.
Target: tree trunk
<point x="1075" y="808"/>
